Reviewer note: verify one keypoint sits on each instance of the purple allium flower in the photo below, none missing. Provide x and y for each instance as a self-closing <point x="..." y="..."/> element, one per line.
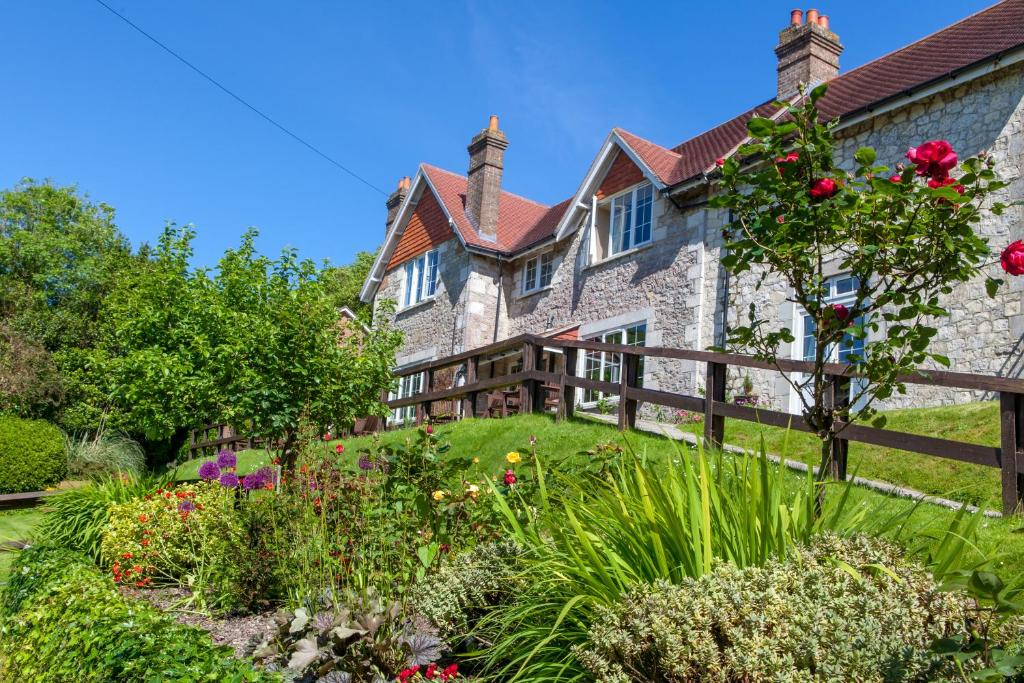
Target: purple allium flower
<point x="258" y="479"/>
<point x="226" y="460"/>
<point x="209" y="470"/>
<point x="365" y="463"/>
<point x="186" y="506"/>
<point x="229" y="480"/>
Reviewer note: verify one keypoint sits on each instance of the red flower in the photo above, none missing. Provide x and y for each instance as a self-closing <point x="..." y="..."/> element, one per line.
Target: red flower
<point x="430" y="429"/>
<point x="339" y="449"/>
<point x="780" y="219"/>
<point x="824" y="188"/>
<point x="935" y="183"/>
<point x="719" y="161"/>
<point x="431" y="671"/>
<point x="143" y="518"/>
<point x="841" y="312"/>
<point x="145" y="542"/>
<point x="1012" y="258"/>
<point x="450" y="671"/>
<point x="934" y="158"/>
<point x="510" y="477"/>
<point x="789" y="158"/>
<point x="896" y="178"/>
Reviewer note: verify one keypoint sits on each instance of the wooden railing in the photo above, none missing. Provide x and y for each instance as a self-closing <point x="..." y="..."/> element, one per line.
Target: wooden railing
<point x="1008" y="457"/>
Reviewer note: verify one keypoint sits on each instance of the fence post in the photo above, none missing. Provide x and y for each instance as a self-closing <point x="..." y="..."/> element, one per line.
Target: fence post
<point x="423" y="408"/>
<point x="566" y="392"/>
<point x="714" y="390"/>
<point x="837" y="396"/>
<point x="469" y="400"/>
<point x="530" y="390"/>
<point x="627" y="380"/>
<point x="1011" y="423"/>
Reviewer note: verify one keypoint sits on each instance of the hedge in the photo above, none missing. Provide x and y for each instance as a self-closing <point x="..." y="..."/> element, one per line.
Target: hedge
<point x="31" y="455"/>
<point x="63" y="619"/>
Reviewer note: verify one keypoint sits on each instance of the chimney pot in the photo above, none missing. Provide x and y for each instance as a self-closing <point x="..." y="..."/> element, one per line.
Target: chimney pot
<point x="492" y="123"/>
<point x="812" y="16"/>
<point x="823" y="21"/>
<point x="796" y="17"/>
<point x="808" y="53"/>
<point x="394" y="202"/>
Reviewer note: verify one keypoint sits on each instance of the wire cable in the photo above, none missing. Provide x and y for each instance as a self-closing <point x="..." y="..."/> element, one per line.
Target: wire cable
<point x="238" y="98"/>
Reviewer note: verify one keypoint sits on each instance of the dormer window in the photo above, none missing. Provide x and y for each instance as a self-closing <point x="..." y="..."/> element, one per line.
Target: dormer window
<point x="537" y="272"/>
<point x="623" y="221"/>
<point x="420" y="279"/>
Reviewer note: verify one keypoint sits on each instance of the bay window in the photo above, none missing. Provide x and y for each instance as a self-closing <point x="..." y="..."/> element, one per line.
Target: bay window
<point x="420" y="278"/>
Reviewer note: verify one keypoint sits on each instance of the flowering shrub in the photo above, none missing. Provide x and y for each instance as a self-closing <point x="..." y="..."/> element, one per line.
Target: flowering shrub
<point x="189" y="534"/>
<point x="843" y="610"/>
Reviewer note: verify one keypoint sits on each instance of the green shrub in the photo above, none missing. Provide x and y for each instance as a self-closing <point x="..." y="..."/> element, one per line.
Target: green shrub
<point x="467" y="586"/>
<point x="104" y="454"/>
<point x="842" y="610"/>
<point x="31" y="455"/>
<point x="77" y="519"/>
<point x="66" y="621"/>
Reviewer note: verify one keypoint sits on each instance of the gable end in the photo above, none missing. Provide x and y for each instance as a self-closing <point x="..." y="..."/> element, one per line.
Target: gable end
<point x="427" y="227"/>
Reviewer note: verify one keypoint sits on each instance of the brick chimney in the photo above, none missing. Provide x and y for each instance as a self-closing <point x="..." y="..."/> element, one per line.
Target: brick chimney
<point x="483" y="187"/>
<point x="808" y="52"/>
<point x="394" y="202"/>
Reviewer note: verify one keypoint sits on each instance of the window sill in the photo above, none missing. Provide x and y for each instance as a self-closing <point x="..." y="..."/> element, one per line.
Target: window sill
<point x="533" y="292"/>
<point x="419" y="304"/>
<point x="622" y="254"/>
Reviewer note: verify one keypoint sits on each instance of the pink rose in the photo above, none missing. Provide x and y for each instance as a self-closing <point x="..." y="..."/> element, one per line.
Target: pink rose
<point x="510" y="477"/>
<point x="1012" y="258"/>
<point x="824" y="188"/>
<point x="934" y="158"/>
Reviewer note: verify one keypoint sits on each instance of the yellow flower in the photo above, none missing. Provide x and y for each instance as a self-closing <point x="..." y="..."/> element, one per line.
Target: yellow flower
<point x="513" y="458"/>
<point x="439" y="495"/>
<point x="476" y="461"/>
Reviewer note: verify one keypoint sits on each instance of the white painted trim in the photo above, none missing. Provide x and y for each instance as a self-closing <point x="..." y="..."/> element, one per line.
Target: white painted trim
<point x="350" y="314"/>
<point x="415" y="357"/>
<point x="616" y="321"/>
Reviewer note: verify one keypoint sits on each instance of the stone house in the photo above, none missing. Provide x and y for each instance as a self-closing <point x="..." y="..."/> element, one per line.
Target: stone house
<point x="633" y="256"/>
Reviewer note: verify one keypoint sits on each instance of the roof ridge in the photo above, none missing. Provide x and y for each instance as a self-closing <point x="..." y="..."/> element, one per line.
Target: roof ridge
<point x="503" y="191"/>
<point x="720" y="124"/>
<point x="643" y="139"/>
<point x="923" y="38"/>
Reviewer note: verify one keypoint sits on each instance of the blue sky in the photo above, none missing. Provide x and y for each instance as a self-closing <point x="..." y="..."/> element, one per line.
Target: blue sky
<point x="379" y="86"/>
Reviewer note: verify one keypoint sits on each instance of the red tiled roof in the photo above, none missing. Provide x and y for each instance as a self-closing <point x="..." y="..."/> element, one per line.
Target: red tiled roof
<point x="521" y="222"/>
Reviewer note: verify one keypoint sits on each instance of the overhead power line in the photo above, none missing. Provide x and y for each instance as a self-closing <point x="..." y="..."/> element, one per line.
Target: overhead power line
<point x="241" y="100"/>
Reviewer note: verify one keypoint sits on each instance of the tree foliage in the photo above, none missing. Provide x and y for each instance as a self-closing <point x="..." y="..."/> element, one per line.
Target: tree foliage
<point x="343" y="283"/>
<point x="907" y="237"/>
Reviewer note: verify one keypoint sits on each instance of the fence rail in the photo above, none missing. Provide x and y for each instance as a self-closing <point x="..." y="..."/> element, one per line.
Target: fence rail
<point x="535" y="383"/>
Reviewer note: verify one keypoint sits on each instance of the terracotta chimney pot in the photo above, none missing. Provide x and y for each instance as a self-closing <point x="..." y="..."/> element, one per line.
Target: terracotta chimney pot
<point x="812" y="16"/>
<point x="796" y="17"/>
<point x="492" y="123"/>
<point x="823" y="21"/>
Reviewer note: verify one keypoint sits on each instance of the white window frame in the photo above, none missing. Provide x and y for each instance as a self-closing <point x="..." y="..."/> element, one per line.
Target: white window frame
<point x="409" y="385"/>
<point x="847" y="297"/>
<point x="630" y="204"/>
<point x="419" y="278"/>
<point x="608" y="365"/>
<point x="538" y="272"/>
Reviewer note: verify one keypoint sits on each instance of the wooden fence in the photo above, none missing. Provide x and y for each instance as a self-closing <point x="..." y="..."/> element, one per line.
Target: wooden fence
<point x="532" y="382"/>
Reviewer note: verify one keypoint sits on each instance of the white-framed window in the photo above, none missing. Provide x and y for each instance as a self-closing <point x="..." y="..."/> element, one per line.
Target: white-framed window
<point x="537" y="272"/>
<point x="409" y="385"/>
<point x="841" y="289"/>
<point x="420" y="278"/>
<point x="630" y="220"/>
<point x="605" y="366"/>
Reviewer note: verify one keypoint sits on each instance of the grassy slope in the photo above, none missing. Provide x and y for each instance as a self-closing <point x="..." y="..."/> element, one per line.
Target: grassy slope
<point x="972" y="423"/>
<point x="490" y="440"/>
<point x="247" y="462"/>
<point x="16" y="525"/>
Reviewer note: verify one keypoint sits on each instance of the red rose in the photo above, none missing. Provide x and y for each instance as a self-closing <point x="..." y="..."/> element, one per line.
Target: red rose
<point x="510" y="477"/>
<point x="1012" y="258"/>
<point x="339" y="449"/>
<point x="935" y="183"/>
<point x="788" y="159"/>
<point x="896" y="178"/>
<point x="934" y="158"/>
<point x="824" y="188"/>
<point x="430" y="429"/>
<point x="719" y="161"/>
<point x="841" y="312"/>
<point x="780" y="219"/>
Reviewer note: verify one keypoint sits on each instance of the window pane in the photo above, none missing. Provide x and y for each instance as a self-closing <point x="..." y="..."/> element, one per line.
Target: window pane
<point x="418" y="285"/>
<point x="642" y="222"/>
<point x="636" y="335"/>
<point x="591" y="370"/>
<point x="530" y="275"/>
<point x="622" y="209"/>
<point x="809" y="340"/>
<point x="408" y="283"/>
<point x="431" y="273"/>
<point x="846" y="285"/>
<point x="850" y="345"/>
<point x="547" y="268"/>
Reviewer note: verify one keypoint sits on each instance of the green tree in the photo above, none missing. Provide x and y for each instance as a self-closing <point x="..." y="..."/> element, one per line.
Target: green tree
<point x="60" y="254"/>
<point x="906" y="236"/>
<point x="255" y="343"/>
<point x="343" y="283"/>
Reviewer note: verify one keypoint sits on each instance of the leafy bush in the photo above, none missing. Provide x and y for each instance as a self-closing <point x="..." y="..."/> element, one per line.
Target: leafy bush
<point x="467" y="586"/>
<point x="77" y="519"/>
<point x="31" y="455"/>
<point x="66" y="621"/>
<point x="190" y="534"/>
<point x="840" y="610"/>
<point x="104" y="454"/>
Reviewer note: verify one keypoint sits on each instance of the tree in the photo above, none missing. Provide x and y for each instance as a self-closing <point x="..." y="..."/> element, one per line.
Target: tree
<point x="256" y="343"/>
<point x="59" y="256"/>
<point x="30" y="384"/>
<point x="906" y="237"/>
<point x="343" y="283"/>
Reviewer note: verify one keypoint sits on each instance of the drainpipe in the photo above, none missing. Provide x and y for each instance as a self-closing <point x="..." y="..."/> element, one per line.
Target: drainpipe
<point x="720" y="341"/>
<point x="497" y="303"/>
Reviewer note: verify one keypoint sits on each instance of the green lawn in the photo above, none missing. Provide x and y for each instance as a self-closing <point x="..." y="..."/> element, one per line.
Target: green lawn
<point x="490" y="440"/>
<point x="247" y="462"/>
<point x="972" y="423"/>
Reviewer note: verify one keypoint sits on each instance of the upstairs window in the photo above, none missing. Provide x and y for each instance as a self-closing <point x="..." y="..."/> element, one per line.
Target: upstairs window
<point x="537" y="272"/>
<point x="420" y="279"/>
<point x="631" y="219"/>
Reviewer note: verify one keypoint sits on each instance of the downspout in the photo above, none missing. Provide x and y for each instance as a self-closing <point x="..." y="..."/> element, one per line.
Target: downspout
<point x="497" y="303"/>
<point x="720" y="342"/>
